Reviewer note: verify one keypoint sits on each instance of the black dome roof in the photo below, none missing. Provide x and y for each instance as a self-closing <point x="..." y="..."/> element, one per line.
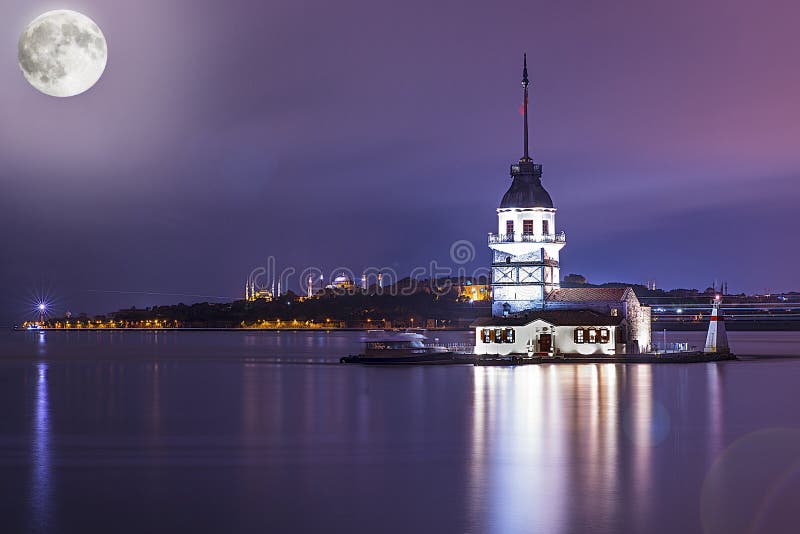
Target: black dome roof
<point x="526" y="189"/>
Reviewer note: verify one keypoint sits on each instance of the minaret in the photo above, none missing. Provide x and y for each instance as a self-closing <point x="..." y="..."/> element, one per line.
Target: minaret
<point x="247" y="290"/>
<point x="526" y="247"/>
<point x="310" y="286"/>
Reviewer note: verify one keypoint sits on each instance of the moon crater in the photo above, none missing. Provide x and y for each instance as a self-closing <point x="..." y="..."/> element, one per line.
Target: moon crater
<point x="62" y="53"/>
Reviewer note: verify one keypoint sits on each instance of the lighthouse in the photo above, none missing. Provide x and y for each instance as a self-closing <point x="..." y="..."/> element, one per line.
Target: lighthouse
<point x="717" y="336"/>
<point x="525" y="249"/>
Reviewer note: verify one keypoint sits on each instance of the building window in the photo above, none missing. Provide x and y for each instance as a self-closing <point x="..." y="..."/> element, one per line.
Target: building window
<point x="486" y="335"/>
<point x="509" y="335"/>
<point x="498" y="335"/>
<point x="545" y="227"/>
<point x="579" y="335"/>
<point x="604" y="335"/>
<point x="527" y="227"/>
<point x="510" y="228"/>
<point x="614" y="312"/>
<point x="592" y="336"/>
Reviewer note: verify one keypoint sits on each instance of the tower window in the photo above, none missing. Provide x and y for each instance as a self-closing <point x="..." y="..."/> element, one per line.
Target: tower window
<point x="509" y="228"/>
<point x="545" y="227"/>
<point x="527" y="227"/>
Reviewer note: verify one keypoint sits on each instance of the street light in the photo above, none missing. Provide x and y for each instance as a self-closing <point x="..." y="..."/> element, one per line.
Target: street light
<point x="42" y="307"/>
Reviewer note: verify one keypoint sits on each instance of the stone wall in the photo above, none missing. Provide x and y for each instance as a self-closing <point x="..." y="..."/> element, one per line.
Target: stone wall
<point x="638" y="319"/>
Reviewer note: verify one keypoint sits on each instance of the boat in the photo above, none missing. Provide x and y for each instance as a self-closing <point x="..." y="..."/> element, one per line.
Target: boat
<point x="400" y="347"/>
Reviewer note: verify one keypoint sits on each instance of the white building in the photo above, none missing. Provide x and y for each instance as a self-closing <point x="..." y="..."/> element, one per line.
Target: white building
<point x="551" y="333"/>
<point x="611" y="301"/>
<point x="531" y="313"/>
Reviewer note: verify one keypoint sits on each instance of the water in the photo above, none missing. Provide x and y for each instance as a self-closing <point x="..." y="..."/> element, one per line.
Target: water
<point x="266" y="432"/>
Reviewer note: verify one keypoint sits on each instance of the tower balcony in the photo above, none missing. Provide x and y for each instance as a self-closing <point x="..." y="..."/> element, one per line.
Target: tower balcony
<point x="526" y="167"/>
<point x="558" y="237"/>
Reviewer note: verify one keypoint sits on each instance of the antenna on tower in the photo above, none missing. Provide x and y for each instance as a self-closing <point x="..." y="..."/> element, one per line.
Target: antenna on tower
<point x="525" y="83"/>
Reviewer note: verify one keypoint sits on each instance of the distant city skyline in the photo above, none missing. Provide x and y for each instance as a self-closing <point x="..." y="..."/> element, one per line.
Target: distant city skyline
<point x="667" y="135"/>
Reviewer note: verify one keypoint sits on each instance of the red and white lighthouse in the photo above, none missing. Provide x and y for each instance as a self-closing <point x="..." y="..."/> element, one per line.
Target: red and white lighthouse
<point x="717" y="338"/>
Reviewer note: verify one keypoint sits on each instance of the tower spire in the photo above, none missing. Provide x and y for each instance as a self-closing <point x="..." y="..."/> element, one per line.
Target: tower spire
<point x="525" y="84"/>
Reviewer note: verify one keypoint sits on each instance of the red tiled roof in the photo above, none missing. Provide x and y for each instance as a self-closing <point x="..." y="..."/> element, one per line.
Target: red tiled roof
<point x="555" y="317"/>
<point x="587" y="294"/>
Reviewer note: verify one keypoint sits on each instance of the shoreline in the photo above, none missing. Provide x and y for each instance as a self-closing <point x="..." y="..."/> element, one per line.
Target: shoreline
<point x="763" y="328"/>
<point x="232" y="329"/>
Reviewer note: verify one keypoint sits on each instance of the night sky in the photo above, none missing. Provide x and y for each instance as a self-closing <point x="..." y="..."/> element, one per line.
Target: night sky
<point x="378" y="133"/>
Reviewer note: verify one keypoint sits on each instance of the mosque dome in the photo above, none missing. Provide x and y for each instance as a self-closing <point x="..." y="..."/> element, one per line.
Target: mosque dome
<point x="342" y="281"/>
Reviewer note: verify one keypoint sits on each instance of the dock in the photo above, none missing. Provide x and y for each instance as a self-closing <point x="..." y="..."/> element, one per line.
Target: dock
<point x="670" y="357"/>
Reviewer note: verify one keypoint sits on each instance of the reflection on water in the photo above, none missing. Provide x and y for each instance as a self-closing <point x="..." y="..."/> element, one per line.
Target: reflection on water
<point x="558" y="447"/>
<point x="208" y="434"/>
<point x="715" y="407"/>
<point x="40" y="449"/>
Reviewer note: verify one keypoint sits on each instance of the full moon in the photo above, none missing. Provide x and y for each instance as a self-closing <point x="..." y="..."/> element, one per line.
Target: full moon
<point x="62" y="53"/>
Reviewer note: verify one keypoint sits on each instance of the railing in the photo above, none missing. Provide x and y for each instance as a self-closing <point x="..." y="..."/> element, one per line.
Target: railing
<point x="673" y="346"/>
<point x="535" y="168"/>
<point x="559" y="237"/>
<point x="465" y="348"/>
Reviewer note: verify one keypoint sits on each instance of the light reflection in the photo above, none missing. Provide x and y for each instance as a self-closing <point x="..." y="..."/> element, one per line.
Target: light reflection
<point x="156" y="399"/>
<point x="478" y="450"/>
<point x="512" y="475"/>
<point x="40" y="452"/>
<point x="715" y="406"/>
<point x="548" y="446"/>
<point x="518" y="461"/>
<point x="641" y="406"/>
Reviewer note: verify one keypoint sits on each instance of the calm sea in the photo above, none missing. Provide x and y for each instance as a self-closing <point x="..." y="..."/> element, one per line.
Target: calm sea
<point x="265" y="432"/>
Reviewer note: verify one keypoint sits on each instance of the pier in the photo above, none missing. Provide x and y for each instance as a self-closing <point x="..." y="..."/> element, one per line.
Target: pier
<point x="676" y="357"/>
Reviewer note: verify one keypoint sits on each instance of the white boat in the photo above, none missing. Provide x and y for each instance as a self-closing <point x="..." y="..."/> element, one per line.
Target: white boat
<point x="399" y="347"/>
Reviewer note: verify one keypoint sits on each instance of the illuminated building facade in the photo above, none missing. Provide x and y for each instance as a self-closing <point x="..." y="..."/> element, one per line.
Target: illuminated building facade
<point x="531" y="313"/>
<point x="525" y="249"/>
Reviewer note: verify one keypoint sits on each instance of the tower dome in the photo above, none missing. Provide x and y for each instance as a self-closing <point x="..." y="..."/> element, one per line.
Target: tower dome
<point x="526" y="189"/>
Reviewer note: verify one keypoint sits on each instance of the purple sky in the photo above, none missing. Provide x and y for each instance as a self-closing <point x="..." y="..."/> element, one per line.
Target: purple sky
<point x="377" y="133"/>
